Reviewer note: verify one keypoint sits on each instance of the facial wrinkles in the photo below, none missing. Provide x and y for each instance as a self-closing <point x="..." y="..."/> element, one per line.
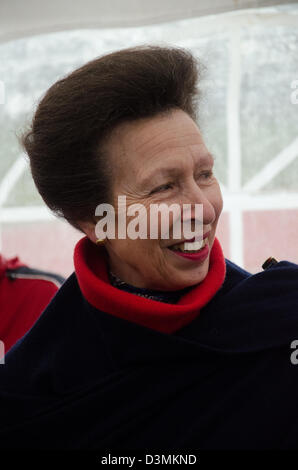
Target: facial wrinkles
<point x="159" y="137"/>
<point x="156" y="269"/>
<point x="126" y="141"/>
<point x="164" y="151"/>
<point x="138" y="149"/>
<point x="188" y="159"/>
<point x="169" y="140"/>
<point x="158" y="266"/>
<point x="185" y="180"/>
<point x="184" y="196"/>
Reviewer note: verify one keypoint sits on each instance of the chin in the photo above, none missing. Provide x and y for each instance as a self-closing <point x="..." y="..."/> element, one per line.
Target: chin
<point x="192" y="280"/>
<point x="199" y="274"/>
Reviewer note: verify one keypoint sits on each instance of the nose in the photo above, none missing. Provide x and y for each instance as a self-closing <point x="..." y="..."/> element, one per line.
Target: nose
<point x="197" y="195"/>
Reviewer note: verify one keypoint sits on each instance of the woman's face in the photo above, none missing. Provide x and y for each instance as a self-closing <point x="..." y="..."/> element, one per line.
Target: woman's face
<point x="138" y="152"/>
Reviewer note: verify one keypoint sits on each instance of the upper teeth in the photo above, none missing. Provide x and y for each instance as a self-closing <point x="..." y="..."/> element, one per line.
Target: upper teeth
<point x="197" y="245"/>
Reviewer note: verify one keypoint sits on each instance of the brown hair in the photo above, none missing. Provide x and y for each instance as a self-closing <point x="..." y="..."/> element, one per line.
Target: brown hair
<point x="65" y="141"/>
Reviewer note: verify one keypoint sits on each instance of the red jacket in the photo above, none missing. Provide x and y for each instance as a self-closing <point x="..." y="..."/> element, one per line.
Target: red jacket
<point x="24" y="294"/>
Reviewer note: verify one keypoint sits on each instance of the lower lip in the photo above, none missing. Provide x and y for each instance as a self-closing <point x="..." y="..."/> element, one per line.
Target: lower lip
<point x="199" y="256"/>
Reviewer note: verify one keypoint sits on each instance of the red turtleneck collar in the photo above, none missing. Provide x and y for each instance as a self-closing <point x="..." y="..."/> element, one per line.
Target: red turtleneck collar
<point x="91" y="266"/>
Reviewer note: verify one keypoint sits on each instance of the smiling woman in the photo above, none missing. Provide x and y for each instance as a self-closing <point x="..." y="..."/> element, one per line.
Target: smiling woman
<point x="163" y="145"/>
<point x="152" y="342"/>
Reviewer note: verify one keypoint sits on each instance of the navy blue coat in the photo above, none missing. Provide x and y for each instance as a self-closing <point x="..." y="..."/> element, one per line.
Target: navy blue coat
<point x="84" y="379"/>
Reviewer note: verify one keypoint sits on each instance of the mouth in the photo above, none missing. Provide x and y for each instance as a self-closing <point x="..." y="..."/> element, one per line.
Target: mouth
<point x="190" y="246"/>
<point x="192" y="250"/>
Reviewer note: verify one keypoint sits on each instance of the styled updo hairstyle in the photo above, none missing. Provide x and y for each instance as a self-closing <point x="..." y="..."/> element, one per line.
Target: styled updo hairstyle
<point x="65" y="142"/>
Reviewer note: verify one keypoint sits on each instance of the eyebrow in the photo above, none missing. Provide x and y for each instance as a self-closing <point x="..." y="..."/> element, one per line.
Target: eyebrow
<point x="173" y="171"/>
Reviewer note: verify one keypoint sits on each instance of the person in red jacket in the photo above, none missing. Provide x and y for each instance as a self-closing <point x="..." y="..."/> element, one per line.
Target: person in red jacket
<point x="24" y="294"/>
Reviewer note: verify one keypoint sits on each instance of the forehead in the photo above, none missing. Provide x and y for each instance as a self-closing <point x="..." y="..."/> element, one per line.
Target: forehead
<point x="146" y="144"/>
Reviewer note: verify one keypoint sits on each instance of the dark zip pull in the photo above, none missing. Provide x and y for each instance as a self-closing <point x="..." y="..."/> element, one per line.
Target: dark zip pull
<point x="269" y="262"/>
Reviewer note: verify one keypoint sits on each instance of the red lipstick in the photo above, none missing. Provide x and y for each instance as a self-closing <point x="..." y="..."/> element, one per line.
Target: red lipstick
<point x="201" y="255"/>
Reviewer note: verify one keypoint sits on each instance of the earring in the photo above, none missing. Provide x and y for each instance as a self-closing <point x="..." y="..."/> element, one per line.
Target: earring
<point x="100" y="241"/>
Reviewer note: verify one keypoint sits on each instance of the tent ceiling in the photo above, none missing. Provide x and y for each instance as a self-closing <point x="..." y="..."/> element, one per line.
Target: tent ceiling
<point x="19" y="19"/>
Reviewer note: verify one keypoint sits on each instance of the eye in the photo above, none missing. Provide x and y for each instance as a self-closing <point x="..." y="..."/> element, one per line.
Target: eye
<point x="207" y="175"/>
<point x="164" y="187"/>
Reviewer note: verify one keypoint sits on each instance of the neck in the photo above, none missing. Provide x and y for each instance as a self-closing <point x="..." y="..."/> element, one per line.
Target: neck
<point x="170" y="297"/>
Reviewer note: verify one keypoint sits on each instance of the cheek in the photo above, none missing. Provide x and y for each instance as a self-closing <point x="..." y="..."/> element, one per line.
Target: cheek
<point x="219" y="204"/>
<point x="215" y="198"/>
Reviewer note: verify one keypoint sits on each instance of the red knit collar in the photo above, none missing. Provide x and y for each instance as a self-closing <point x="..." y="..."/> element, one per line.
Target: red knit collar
<point x="91" y="266"/>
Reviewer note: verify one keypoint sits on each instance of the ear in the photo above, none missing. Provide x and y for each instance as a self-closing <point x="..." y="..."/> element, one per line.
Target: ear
<point x="89" y="229"/>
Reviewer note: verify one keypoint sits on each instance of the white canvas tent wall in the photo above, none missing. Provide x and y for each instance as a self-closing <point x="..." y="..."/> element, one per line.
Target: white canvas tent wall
<point x="19" y="19"/>
<point x="35" y="18"/>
